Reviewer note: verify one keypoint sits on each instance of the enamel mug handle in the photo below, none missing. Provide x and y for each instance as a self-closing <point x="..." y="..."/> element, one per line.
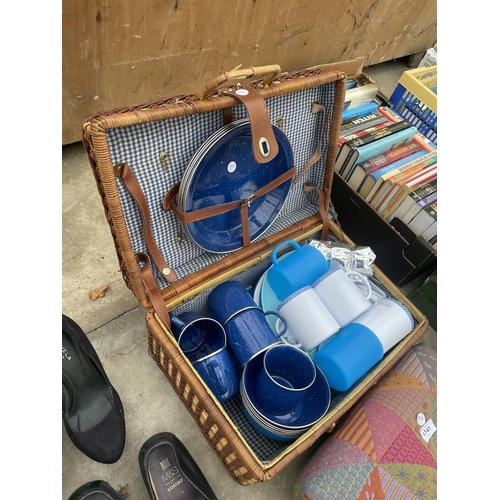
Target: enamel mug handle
<point x="282" y="320"/>
<point x="217" y="376"/>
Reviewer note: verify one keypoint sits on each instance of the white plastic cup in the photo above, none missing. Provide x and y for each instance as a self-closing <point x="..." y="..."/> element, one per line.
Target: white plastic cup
<point x="308" y="318"/>
<point x="389" y="320"/>
<point x="342" y="297"/>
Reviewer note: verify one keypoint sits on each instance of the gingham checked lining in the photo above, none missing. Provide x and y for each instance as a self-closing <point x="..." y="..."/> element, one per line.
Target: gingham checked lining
<point x="140" y="146"/>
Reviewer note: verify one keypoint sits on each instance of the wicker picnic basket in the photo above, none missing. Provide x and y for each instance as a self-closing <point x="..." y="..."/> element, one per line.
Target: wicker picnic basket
<point x="155" y="141"/>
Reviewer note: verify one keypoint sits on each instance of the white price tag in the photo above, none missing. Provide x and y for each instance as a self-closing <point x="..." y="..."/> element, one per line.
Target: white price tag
<point x="427" y="430"/>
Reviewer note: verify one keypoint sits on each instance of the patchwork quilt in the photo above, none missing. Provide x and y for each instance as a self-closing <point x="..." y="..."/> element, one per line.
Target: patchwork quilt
<point x="385" y="448"/>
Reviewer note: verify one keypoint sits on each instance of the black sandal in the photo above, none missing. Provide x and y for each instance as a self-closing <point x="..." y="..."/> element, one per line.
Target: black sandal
<point x="91" y="408"/>
<point x="169" y="472"/>
<point x="95" y="490"/>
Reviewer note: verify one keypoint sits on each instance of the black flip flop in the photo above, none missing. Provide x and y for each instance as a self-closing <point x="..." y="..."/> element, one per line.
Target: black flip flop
<point x="169" y="472"/>
<point x="92" y="410"/>
<point x="95" y="490"/>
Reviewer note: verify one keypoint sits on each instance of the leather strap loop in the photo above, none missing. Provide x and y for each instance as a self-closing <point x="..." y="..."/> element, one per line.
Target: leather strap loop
<point x="123" y="171"/>
<point x="316" y="107"/>
<point x="264" y="144"/>
<point x="152" y="290"/>
<point x="322" y="209"/>
<point x="227" y="114"/>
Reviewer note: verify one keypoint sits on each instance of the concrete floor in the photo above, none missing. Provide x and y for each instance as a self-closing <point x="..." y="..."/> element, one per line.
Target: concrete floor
<point x="116" y="327"/>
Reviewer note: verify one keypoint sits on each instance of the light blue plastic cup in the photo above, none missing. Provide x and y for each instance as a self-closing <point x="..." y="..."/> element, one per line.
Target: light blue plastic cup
<point x="348" y="356"/>
<point x="298" y="269"/>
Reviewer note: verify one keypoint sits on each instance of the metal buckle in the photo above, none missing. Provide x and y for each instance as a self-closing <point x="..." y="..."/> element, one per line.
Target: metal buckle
<point x="247" y="201"/>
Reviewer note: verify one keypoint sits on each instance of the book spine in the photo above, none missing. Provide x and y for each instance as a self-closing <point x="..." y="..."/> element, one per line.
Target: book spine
<point x="352" y="114"/>
<point x="351" y="83"/>
<point x="390" y="129"/>
<point x="397" y="199"/>
<point x="360" y="96"/>
<point x="390" y="156"/>
<point x="385" y="144"/>
<point x="359" y="121"/>
<point x="412" y="167"/>
<point x="411" y="160"/>
<point x="419" y="225"/>
<point x="416" y="195"/>
<point x="432" y="210"/>
<point x="424" y="202"/>
<point x="426" y="175"/>
<point x="363" y="132"/>
<point x="419" y="137"/>
<point x="400" y="195"/>
<point x="360" y="124"/>
<point x="396" y="180"/>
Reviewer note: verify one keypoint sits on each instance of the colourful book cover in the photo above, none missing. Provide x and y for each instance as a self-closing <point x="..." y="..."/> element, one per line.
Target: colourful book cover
<point x="391" y="156"/>
<point x="362" y="123"/>
<point x="419" y="137"/>
<point x="367" y="146"/>
<point x="374" y="176"/>
<point x="352" y="114"/>
<point x="419" y="179"/>
<point x="362" y="170"/>
<point x="370" y="130"/>
<point x="409" y="208"/>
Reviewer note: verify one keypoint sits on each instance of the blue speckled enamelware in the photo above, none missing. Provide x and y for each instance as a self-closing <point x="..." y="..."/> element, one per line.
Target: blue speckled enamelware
<point x="313" y="407"/>
<point x="228" y="298"/>
<point x="266" y="432"/>
<point x="226" y="172"/>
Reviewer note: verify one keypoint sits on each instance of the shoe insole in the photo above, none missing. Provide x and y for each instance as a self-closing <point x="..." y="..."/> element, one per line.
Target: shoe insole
<point x="167" y="480"/>
<point x="86" y="391"/>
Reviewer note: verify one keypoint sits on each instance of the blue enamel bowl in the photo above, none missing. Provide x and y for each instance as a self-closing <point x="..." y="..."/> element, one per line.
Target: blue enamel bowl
<point x="312" y="408"/>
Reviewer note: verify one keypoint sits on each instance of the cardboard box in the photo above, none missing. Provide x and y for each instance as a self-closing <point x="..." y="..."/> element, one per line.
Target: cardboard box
<point x="401" y="254"/>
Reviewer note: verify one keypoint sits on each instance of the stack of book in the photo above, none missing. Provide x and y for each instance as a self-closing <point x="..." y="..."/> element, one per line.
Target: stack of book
<point x="388" y="163"/>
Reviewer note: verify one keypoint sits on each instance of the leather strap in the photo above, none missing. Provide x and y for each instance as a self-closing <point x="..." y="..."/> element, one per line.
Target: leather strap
<point x="152" y="290"/>
<point x="123" y="171"/>
<point x="205" y="213"/>
<point x="227" y="116"/>
<point x="322" y="209"/>
<point x="316" y="107"/>
<point x="264" y="143"/>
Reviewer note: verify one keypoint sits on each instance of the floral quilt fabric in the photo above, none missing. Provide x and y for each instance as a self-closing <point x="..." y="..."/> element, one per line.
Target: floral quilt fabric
<point x="385" y="448"/>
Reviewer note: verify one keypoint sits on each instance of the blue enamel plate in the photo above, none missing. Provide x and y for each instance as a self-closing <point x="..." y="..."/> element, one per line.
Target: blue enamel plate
<point x="224" y="170"/>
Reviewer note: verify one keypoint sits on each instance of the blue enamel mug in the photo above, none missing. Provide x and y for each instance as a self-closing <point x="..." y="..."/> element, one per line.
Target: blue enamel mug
<point x="247" y="329"/>
<point x="287" y="372"/>
<point x="190" y="329"/>
<point x="218" y="372"/>
<point x="204" y="342"/>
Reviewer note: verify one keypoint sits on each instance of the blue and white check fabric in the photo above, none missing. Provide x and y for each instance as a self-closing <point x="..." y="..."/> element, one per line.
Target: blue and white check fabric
<point x="158" y="153"/>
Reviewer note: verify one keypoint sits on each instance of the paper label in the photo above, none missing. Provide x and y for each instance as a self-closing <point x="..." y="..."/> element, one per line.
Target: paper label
<point x="421" y="419"/>
<point x="428" y="430"/>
